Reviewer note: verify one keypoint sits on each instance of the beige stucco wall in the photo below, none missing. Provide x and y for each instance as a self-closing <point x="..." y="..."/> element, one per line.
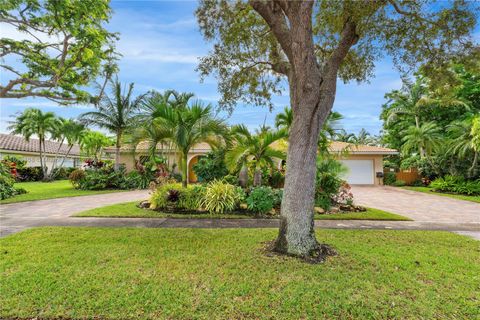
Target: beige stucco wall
<point x="377" y="164"/>
<point x="33" y="159"/>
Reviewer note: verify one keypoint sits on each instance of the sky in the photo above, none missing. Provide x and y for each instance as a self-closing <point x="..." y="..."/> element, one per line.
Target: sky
<point x="160" y="42"/>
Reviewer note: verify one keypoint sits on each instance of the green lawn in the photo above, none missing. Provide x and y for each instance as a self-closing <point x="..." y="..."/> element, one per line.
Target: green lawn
<point x="50" y="190"/>
<point x="456" y="196"/>
<point x="130" y="210"/>
<point x="126" y="273"/>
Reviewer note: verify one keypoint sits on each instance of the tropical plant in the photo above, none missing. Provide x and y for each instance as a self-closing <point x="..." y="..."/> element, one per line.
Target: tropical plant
<point x="211" y="166"/>
<point x="92" y="144"/>
<point x="465" y="140"/>
<point x="261" y="200"/>
<point x="328" y="181"/>
<point x="115" y="112"/>
<point x="221" y="197"/>
<point x="187" y="125"/>
<point x="284" y="119"/>
<point x="34" y="122"/>
<point x="424" y="138"/>
<point x="255" y="150"/>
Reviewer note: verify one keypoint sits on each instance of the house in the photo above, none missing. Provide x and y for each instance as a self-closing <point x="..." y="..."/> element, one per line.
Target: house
<point x="364" y="163"/>
<point x="30" y="151"/>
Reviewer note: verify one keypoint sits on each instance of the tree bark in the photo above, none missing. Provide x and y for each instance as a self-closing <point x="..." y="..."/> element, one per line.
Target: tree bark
<point x="184" y="169"/>
<point x="257" y="178"/>
<point x="243" y="177"/>
<point x="117" y="151"/>
<point x="312" y="93"/>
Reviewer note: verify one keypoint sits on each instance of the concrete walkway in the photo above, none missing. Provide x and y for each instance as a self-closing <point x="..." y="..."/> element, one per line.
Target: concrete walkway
<point x="430" y="212"/>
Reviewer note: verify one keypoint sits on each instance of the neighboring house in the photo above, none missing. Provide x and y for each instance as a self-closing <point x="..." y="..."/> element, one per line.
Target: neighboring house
<point x="30" y="151"/>
<point x="363" y="162"/>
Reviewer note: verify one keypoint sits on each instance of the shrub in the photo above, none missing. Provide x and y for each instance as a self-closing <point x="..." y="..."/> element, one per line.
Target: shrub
<point x="261" y="199"/>
<point x="76" y="176"/>
<point x="28" y="174"/>
<point x="328" y="181"/>
<point x="62" y="173"/>
<point x="231" y="179"/>
<point x="7" y="182"/>
<point x="399" y="183"/>
<point x="161" y="197"/>
<point x="456" y="184"/>
<point x="211" y="166"/>
<point x="344" y="195"/>
<point x="390" y="178"/>
<point x="323" y="202"/>
<point x="136" y="180"/>
<point x="276" y="179"/>
<point x="191" y="197"/>
<point x="176" y="176"/>
<point x="221" y="197"/>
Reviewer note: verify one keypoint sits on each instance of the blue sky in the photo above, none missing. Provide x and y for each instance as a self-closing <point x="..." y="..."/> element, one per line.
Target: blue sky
<point x="160" y="43"/>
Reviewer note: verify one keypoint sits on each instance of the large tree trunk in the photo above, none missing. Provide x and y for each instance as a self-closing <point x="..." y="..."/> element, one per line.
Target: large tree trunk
<point x="312" y="92"/>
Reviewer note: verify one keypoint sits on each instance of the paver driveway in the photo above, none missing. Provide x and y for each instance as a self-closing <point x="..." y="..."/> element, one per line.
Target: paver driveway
<point x="18" y="216"/>
<point x="417" y="205"/>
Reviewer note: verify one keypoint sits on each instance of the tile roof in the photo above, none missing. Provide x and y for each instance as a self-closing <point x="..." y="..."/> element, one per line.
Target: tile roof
<point x="17" y="143"/>
<point x="339" y="147"/>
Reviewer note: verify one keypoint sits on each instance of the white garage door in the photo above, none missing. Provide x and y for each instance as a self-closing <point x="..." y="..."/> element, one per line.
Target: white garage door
<point x="359" y="171"/>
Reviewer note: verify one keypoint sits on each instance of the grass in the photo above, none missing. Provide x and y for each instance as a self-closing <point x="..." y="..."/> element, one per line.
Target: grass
<point x="130" y="210"/>
<point x="126" y="273"/>
<point x="50" y="190"/>
<point x="450" y="195"/>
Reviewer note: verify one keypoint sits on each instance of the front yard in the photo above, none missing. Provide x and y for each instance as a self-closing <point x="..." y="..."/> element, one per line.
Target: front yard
<point x="130" y="210"/>
<point x="109" y="273"/>
<point x="50" y="190"/>
<point x="450" y="195"/>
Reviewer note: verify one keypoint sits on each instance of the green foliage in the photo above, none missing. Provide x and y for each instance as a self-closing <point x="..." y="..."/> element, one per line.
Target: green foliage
<point x="262" y="199"/>
<point x="455" y="184"/>
<point x="389" y="178"/>
<point x="30" y="174"/>
<point x="160" y="198"/>
<point x="399" y="183"/>
<point x="93" y="142"/>
<point x="191" y="197"/>
<point x="276" y="179"/>
<point x="63" y="48"/>
<point x="211" y="167"/>
<point x="6" y="182"/>
<point x="231" y="179"/>
<point x="13" y="160"/>
<point x="328" y="181"/>
<point x="221" y="197"/>
<point x="106" y="178"/>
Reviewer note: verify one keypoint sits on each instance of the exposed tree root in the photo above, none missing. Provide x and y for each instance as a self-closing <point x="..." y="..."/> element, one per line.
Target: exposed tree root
<point x="318" y="255"/>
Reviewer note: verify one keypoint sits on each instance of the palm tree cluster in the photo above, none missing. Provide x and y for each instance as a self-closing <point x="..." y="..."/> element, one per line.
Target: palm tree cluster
<point x="46" y="125"/>
<point x="436" y="127"/>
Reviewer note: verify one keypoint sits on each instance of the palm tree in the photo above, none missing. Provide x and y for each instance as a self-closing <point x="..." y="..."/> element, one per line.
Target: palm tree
<point x="466" y="139"/>
<point x="35" y="122"/>
<point x="116" y="113"/>
<point x="424" y="139"/>
<point x="344" y="136"/>
<point x="92" y="143"/>
<point x="69" y="131"/>
<point x="284" y="119"/>
<point x="187" y="125"/>
<point x="363" y="137"/>
<point x="255" y="149"/>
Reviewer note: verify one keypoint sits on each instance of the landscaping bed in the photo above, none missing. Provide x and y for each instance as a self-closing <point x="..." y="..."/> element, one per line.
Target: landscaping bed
<point x="118" y="273"/>
<point x="444" y="194"/>
<point x="131" y="210"/>
<point x="50" y="190"/>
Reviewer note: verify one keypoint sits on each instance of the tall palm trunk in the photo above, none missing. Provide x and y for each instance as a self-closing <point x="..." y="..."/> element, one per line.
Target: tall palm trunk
<point x="473" y="169"/>
<point x="243" y="176"/>
<point x="184" y="165"/>
<point x="257" y="177"/>
<point x="117" y="151"/>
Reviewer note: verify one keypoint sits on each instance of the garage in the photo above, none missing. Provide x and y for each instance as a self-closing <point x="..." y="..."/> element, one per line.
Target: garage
<point x="359" y="171"/>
